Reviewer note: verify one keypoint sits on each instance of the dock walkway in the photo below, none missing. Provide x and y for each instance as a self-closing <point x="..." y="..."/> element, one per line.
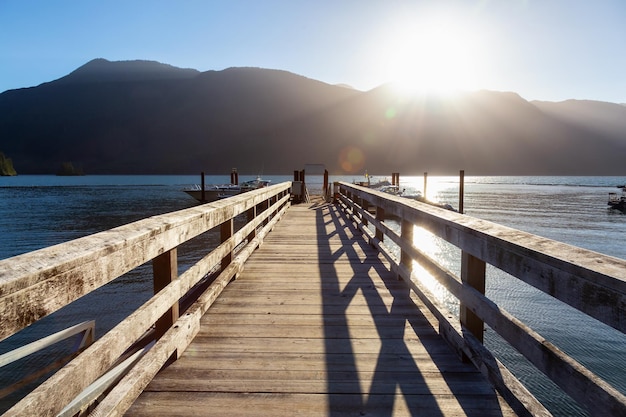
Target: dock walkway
<point x="317" y="325"/>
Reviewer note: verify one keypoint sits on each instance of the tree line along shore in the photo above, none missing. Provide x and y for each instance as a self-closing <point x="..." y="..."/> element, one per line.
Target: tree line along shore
<point x="6" y="166"/>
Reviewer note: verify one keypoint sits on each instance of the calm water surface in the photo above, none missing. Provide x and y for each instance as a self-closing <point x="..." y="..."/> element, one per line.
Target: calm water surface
<point x="39" y="211"/>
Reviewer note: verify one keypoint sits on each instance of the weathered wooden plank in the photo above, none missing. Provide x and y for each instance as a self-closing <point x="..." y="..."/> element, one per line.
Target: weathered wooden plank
<point x="256" y="404"/>
<point x="205" y="345"/>
<point x="294" y="356"/>
<point x="337" y="298"/>
<point x="312" y="331"/>
<point x="311" y="309"/>
<point x="229" y="319"/>
<point x="290" y="282"/>
<point x="351" y="381"/>
<point x="425" y="362"/>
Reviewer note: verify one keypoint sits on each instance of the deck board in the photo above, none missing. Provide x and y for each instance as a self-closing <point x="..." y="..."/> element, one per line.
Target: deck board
<point x="317" y="325"/>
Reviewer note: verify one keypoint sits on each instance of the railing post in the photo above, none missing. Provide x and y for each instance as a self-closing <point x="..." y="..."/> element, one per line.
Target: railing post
<point x="473" y="275"/>
<point x="406" y="232"/>
<point x="264" y="206"/>
<point x="164" y="271"/>
<point x="325" y="192"/>
<point x="270" y="202"/>
<point x="296" y="179"/>
<point x="250" y="216"/>
<point x="350" y="204"/>
<point x="226" y="232"/>
<point x="365" y="205"/>
<point x="380" y="216"/>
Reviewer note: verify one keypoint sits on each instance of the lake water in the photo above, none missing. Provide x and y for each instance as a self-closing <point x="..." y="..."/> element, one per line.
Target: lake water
<point x="39" y="211"/>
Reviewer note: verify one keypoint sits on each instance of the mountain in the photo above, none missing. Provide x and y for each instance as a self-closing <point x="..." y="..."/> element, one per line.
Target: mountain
<point x="144" y="117"/>
<point x="101" y="70"/>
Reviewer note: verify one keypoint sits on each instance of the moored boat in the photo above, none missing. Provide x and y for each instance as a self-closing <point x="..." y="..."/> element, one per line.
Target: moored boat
<point x="412" y="195"/>
<point x="213" y="192"/>
<point x="616" y="201"/>
<point x="401" y="192"/>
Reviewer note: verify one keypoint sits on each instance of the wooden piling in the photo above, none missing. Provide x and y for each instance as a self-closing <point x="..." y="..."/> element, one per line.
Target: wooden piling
<point x="395" y="178"/>
<point x="461" y="190"/>
<point x="202" y="195"/>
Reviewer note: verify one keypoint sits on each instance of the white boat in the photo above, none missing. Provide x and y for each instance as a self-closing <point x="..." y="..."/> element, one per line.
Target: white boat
<point x="396" y="190"/>
<point x="617" y="201"/>
<point x="412" y="195"/>
<point x="370" y="182"/>
<point x="214" y="192"/>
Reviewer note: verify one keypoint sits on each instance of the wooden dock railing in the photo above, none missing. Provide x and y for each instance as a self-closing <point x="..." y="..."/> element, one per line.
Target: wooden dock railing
<point x="590" y="282"/>
<point x="36" y="284"/>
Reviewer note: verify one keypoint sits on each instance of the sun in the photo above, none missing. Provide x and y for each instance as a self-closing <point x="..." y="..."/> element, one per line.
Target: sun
<point x="439" y="56"/>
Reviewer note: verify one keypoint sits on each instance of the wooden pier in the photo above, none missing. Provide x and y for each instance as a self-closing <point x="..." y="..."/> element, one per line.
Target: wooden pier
<point x="306" y="310"/>
<point x="316" y="324"/>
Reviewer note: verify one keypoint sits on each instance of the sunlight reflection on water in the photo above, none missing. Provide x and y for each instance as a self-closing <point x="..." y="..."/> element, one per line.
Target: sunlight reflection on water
<point x="442" y="251"/>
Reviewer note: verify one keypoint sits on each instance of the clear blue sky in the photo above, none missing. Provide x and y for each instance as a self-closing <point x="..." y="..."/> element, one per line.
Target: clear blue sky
<point x="543" y="49"/>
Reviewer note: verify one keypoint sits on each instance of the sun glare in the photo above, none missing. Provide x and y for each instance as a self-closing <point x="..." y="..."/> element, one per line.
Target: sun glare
<point x="438" y="56"/>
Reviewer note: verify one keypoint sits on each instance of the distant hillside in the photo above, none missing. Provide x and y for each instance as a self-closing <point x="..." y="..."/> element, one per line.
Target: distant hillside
<point x="607" y="118"/>
<point x="151" y="118"/>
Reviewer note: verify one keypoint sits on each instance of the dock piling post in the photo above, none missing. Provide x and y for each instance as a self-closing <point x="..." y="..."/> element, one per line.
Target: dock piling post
<point x="296" y="180"/>
<point x="202" y="195"/>
<point x="234" y="177"/>
<point x="461" y="190"/>
<point x="395" y="178"/>
<point x="326" y="191"/>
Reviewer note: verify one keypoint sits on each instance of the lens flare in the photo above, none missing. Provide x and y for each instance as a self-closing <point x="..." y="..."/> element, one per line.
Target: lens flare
<point x="351" y="159"/>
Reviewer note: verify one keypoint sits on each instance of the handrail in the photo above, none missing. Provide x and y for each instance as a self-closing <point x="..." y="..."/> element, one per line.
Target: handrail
<point x="593" y="283"/>
<point x="36" y="284"/>
<point x="102" y="384"/>
<point x="87" y="328"/>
